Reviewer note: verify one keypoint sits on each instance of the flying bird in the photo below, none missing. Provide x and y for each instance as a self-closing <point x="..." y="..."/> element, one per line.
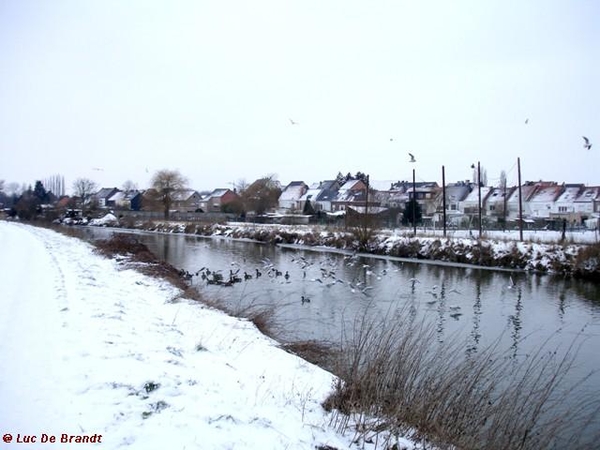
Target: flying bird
<point x="293" y="123"/>
<point x="412" y="158"/>
<point x="526" y="121"/>
<point x="587" y="144"/>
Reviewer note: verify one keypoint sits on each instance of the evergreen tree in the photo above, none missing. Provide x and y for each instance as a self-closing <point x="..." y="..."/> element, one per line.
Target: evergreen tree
<point x="308" y="208"/>
<point x="361" y="176"/>
<point x="40" y="194"/>
<point x="407" y="215"/>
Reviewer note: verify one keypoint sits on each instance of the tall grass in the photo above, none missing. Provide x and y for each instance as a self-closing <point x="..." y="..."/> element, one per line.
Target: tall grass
<point x="395" y="379"/>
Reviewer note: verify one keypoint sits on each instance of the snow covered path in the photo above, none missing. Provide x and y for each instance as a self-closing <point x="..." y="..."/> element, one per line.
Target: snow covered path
<point x="91" y="348"/>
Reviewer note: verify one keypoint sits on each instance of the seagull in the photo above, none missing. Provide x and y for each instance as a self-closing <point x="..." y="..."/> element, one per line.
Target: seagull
<point x="511" y="284"/>
<point x="587" y="144"/>
<point x="412" y="158"/>
<point x="526" y="121"/>
<point x="293" y="123"/>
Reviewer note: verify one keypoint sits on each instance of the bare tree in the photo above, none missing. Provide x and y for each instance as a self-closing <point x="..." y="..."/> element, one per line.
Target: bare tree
<point x="14" y="189"/>
<point x="55" y="184"/>
<point x="240" y="185"/>
<point x="262" y="195"/>
<point x="84" y="188"/>
<point x="480" y="177"/>
<point x="130" y="186"/>
<point x="1" y="185"/>
<point x="502" y="187"/>
<point x="165" y="182"/>
<point x="502" y="183"/>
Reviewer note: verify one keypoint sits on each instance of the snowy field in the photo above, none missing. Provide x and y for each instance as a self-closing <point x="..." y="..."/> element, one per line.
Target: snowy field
<point x="536" y="236"/>
<point x="94" y="351"/>
<point x="540" y="236"/>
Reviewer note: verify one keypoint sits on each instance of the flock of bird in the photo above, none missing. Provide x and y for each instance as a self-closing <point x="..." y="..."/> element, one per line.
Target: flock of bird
<point x="326" y="274"/>
<point x="586" y="144"/>
<point x="323" y="273"/>
<point x="217" y="277"/>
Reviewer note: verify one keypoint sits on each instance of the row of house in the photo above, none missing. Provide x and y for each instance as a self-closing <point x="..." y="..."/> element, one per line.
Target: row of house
<point x="187" y="200"/>
<point x="541" y="201"/>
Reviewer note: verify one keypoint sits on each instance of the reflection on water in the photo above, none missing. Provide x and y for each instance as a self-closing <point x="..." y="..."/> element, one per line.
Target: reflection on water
<point x="481" y="306"/>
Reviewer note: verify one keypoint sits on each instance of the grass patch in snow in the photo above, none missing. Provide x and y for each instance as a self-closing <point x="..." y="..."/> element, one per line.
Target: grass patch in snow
<point x="316" y="352"/>
<point x="393" y="381"/>
<point x="138" y="254"/>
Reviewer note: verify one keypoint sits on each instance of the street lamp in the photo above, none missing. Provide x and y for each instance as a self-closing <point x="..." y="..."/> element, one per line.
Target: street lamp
<point x="479" y="192"/>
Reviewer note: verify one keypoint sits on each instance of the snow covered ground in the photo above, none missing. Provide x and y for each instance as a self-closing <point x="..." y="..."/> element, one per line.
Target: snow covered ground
<point x="584" y="236"/>
<point x="97" y="351"/>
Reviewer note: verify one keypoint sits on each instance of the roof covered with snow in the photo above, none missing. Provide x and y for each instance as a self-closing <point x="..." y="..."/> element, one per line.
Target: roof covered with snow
<point x="293" y="191"/>
<point x="570" y="193"/>
<point x="473" y="196"/>
<point x="589" y="194"/>
<point x="498" y="195"/>
<point x="546" y="194"/>
<point x="183" y="194"/>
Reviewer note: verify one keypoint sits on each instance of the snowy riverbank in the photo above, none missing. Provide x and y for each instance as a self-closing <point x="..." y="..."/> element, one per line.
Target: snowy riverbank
<point x="539" y="253"/>
<point x="91" y="347"/>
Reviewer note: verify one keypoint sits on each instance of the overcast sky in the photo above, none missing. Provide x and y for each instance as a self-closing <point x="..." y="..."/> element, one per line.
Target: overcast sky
<point x="115" y="90"/>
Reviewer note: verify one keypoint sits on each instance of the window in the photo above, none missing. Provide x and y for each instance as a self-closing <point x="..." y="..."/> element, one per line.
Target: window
<point x="563" y="209"/>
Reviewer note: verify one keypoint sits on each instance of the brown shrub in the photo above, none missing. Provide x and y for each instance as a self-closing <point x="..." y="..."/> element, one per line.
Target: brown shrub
<point x="137" y="252"/>
<point x="315" y="352"/>
<point x="587" y="263"/>
<point x="389" y="370"/>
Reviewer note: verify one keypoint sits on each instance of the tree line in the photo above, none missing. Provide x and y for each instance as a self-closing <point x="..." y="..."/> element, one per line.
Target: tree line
<point x="260" y="196"/>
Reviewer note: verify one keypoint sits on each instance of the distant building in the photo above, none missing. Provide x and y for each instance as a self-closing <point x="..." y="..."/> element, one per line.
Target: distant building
<point x="101" y="197"/>
<point x="214" y="201"/>
<point x="291" y="195"/>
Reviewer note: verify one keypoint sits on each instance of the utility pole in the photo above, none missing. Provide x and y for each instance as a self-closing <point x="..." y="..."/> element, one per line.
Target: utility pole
<point x="479" y="187"/>
<point x="479" y="192"/>
<point x="367" y="204"/>
<point x="414" y="212"/>
<point x="444" y="198"/>
<point x="520" y="201"/>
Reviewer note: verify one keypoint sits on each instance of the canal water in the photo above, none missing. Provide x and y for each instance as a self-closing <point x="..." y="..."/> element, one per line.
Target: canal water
<point x="482" y="305"/>
<point x="521" y="310"/>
